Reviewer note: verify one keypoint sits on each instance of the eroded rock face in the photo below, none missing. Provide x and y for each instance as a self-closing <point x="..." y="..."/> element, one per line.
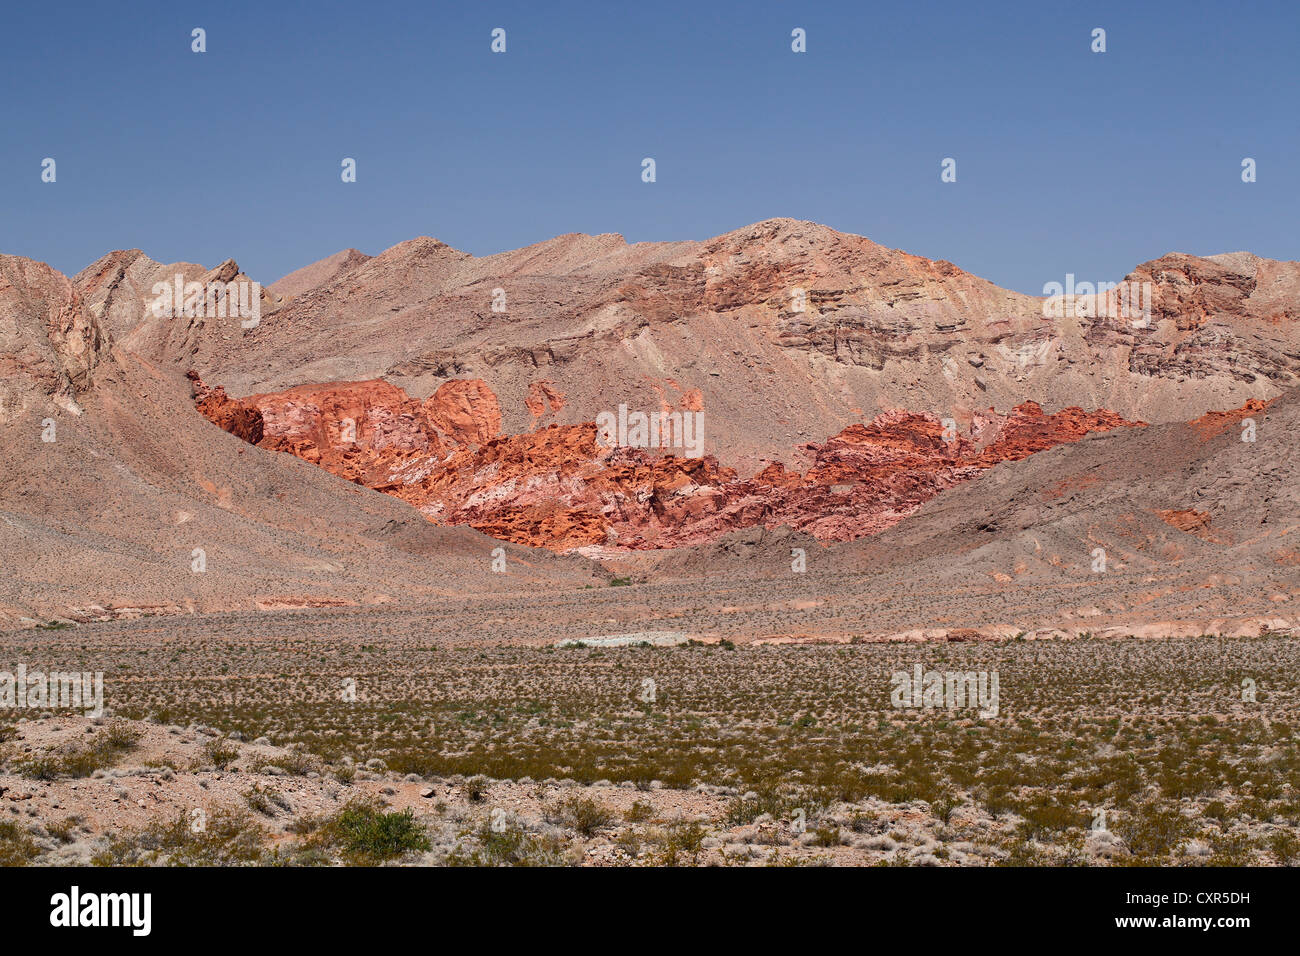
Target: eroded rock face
<point x="360" y="431"/>
<point x="1214" y="423"/>
<point x="560" y="488"/>
<point x="465" y="410"/>
<point x="371" y="432"/>
<point x="542" y="398"/>
<point x="51" y="345"/>
<point x="241" y="420"/>
<point x="119" y="291"/>
<point x="1187" y="519"/>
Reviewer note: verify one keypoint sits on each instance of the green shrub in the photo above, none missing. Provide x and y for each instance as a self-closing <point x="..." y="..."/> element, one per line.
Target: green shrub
<point x="476" y="788"/>
<point x="366" y="834"/>
<point x="1154" y="831"/>
<point x="225" y="838"/>
<point x="16" y="845"/>
<point x="81" y="760"/>
<point x="683" y="840"/>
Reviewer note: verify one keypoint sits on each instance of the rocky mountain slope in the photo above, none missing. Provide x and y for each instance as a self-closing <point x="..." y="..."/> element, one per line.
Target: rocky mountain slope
<point x="1215" y="497"/>
<point x="783" y="332"/>
<point x="1176" y="529"/>
<point x="118" y="498"/>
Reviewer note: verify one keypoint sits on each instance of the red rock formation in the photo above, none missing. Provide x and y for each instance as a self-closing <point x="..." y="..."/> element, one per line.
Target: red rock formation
<point x="366" y="432"/>
<point x="465" y="410"/>
<point x="541" y="396"/>
<point x="361" y="431"/>
<point x="1029" y="429"/>
<point x="560" y="488"/>
<point x="1215" y="423"/>
<point x="1189" y="520"/>
<point x="242" y="421"/>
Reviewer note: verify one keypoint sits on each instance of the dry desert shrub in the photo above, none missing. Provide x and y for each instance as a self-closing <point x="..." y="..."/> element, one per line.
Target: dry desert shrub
<point x="224" y="839"/>
<point x="584" y="814"/>
<point x="17" y="847"/>
<point x="82" y="759"/>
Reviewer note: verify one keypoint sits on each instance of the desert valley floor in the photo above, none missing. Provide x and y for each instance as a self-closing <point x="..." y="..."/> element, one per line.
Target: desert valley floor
<point x="462" y="746"/>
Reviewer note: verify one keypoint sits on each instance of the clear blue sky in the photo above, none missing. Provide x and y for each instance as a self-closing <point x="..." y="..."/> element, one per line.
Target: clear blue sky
<point x="1067" y="161"/>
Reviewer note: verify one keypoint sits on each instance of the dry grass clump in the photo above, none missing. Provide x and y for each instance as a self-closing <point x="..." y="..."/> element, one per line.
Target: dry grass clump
<point x="82" y="759"/>
<point x="17" y="847"/>
<point x="508" y="846"/>
<point x="584" y="814"/>
<point x="222" y="838"/>
<point x="266" y="800"/>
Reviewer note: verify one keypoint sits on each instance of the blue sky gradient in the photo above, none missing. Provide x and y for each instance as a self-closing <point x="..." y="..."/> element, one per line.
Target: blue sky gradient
<point x="1068" y="161"/>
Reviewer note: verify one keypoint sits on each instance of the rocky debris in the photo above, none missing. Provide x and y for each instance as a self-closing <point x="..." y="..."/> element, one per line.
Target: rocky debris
<point x="1189" y="520"/>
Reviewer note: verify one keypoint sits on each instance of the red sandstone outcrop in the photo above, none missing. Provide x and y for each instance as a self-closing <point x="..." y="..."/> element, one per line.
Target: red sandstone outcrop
<point x="543" y="397"/>
<point x="465" y="410"/>
<point x="357" y="430"/>
<point x="1189" y="520"/>
<point x="240" y="419"/>
<point x="1215" y="423"/>
<point x="560" y="488"/>
<point x="366" y="432"/>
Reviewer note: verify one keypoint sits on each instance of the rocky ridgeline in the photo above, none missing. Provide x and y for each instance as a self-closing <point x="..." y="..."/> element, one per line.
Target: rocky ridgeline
<point x="785" y="331"/>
